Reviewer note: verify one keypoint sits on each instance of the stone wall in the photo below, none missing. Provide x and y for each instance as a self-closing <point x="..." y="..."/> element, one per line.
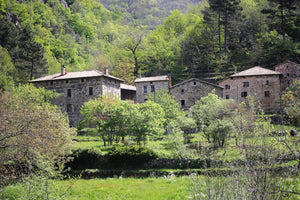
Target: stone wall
<point x="141" y="94"/>
<point x="188" y="92"/>
<point x="290" y="72"/>
<point x="265" y="89"/>
<point x="74" y="92"/>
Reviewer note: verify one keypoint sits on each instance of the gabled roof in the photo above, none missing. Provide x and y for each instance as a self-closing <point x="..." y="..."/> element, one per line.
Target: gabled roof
<point x="74" y="75"/>
<point x="256" y="71"/>
<point x="128" y="87"/>
<point x="195" y="79"/>
<point x="152" y="78"/>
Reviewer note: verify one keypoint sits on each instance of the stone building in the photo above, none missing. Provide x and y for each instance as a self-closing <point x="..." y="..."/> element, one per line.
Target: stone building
<point x="261" y="83"/>
<point x="128" y="92"/>
<point x="146" y="85"/>
<point x="78" y="87"/>
<point x="290" y="72"/>
<point x="188" y="92"/>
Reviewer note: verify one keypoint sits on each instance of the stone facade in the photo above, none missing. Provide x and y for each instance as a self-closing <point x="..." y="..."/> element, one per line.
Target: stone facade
<point x="190" y="91"/>
<point x="290" y="72"/>
<point x="76" y="88"/>
<point x="263" y="84"/>
<point x="146" y="85"/>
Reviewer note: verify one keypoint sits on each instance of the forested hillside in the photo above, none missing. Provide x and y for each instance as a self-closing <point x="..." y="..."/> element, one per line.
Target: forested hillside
<point x="185" y="38"/>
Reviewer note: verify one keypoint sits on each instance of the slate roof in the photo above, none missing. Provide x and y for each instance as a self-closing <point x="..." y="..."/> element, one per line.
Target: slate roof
<point x="195" y="79"/>
<point x="256" y="71"/>
<point x="74" y="75"/>
<point x="152" y="78"/>
<point x="128" y="87"/>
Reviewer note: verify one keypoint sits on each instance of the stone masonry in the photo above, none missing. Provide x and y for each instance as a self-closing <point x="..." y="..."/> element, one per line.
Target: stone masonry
<point x="188" y="92"/>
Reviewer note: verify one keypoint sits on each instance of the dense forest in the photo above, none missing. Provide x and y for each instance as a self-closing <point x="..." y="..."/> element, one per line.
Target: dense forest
<point x="202" y="39"/>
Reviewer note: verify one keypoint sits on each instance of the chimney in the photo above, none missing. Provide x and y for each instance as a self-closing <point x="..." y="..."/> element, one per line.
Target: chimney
<point x="170" y="81"/>
<point x="106" y="71"/>
<point x="140" y="75"/>
<point x="235" y="70"/>
<point x="63" y="70"/>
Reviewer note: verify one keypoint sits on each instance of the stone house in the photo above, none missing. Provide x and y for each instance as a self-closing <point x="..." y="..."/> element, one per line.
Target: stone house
<point x="146" y="85"/>
<point x="261" y="83"/>
<point x="290" y="72"/>
<point x="188" y="92"/>
<point x="78" y="87"/>
<point x="128" y="92"/>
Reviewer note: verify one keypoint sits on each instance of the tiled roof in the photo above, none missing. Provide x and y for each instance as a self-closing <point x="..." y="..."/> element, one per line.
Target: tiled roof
<point x="152" y="78"/>
<point x="256" y="71"/>
<point x="195" y="79"/>
<point x="128" y="87"/>
<point x="73" y="75"/>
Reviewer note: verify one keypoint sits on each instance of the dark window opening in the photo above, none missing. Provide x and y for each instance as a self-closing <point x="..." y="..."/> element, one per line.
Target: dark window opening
<point x="151" y="82"/>
<point x="267" y="93"/>
<point x="69" y="93"/>
<point x="91" y="91"/>
<point x="246" y="84"/>
<point x="267" y="82"/>
<point x="227" y="96"/>
<point x="227" y="87"/>
<point x="145" y="89"/>
<point x="244" y="94"/>
<point x="82" y="80"/>
<point x="152" y="88"/>
<point x="195" y="83"/>
<point x="182" y="103"/>
<point x="182" y="91"/>
<point x="145" y="100"/>
<point x="67" y="81"/>
<point x="51" y="83"/>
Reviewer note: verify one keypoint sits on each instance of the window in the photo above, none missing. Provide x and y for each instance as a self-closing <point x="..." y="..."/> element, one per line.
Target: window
<point x="227" y="87"/>
<point x="145" y="89"/>
<point x="227" y="96"/>
<point x="244" y="94"/>
<point x="69" y="93"/>
<point x="246" y="84"/>
<point x="51" y="83"/>
<point x="91" y="91"/>
<point x="195" y="83"/>
<point x="267" y="93"/>
<point x="182" y="91"/>
<point x="151" y="82"/>
<point x="67" y="81"/>
<point x="145" y="100"/>
<point x="69" y="108"/>
<point x="82" y="80"/>
<point x="152" y="88"/>
<point x="182" y="103"/>
<point x="267" y="82"/>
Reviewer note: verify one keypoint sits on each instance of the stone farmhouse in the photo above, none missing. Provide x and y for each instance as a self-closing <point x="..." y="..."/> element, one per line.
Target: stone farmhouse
<point x="188" y="92"/>
<point x="78" y="87"/>
<point x="145" y="85"/>
<point x="261" y="83"/>
<point x="290" y="72"/>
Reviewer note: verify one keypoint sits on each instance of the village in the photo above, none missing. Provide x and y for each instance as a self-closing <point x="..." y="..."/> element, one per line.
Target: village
<point x="78" y="87"/>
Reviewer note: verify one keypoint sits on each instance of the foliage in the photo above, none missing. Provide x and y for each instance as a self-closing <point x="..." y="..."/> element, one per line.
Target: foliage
<point x="291" y="102"/>
<point x="7" y="70"/>
<point x="116" y="119"/>
<point x="211" y="119"/>
<point x="124" y="157"/>
<point x="27" y="122"/>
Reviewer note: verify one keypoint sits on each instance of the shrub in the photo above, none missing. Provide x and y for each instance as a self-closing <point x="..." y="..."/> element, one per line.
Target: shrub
<point x="126" y="157"/>
<point x="86" y="159"/>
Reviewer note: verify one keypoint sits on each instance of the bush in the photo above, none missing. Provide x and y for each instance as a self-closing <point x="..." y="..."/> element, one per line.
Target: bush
<point x="127" y="157"/>
<point x="86" y="159"/>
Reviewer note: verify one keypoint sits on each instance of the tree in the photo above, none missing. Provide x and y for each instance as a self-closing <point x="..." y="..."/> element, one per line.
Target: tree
<point x="30" y="63"/>
<point x="291" y="102"/>
<point x="209" y="113"/>
<point x="7" y="70"/>
<point x="27" y="122"/>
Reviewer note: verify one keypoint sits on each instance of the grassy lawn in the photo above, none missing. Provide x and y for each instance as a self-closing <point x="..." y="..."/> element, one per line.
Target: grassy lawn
<point x="128" y="188"/>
